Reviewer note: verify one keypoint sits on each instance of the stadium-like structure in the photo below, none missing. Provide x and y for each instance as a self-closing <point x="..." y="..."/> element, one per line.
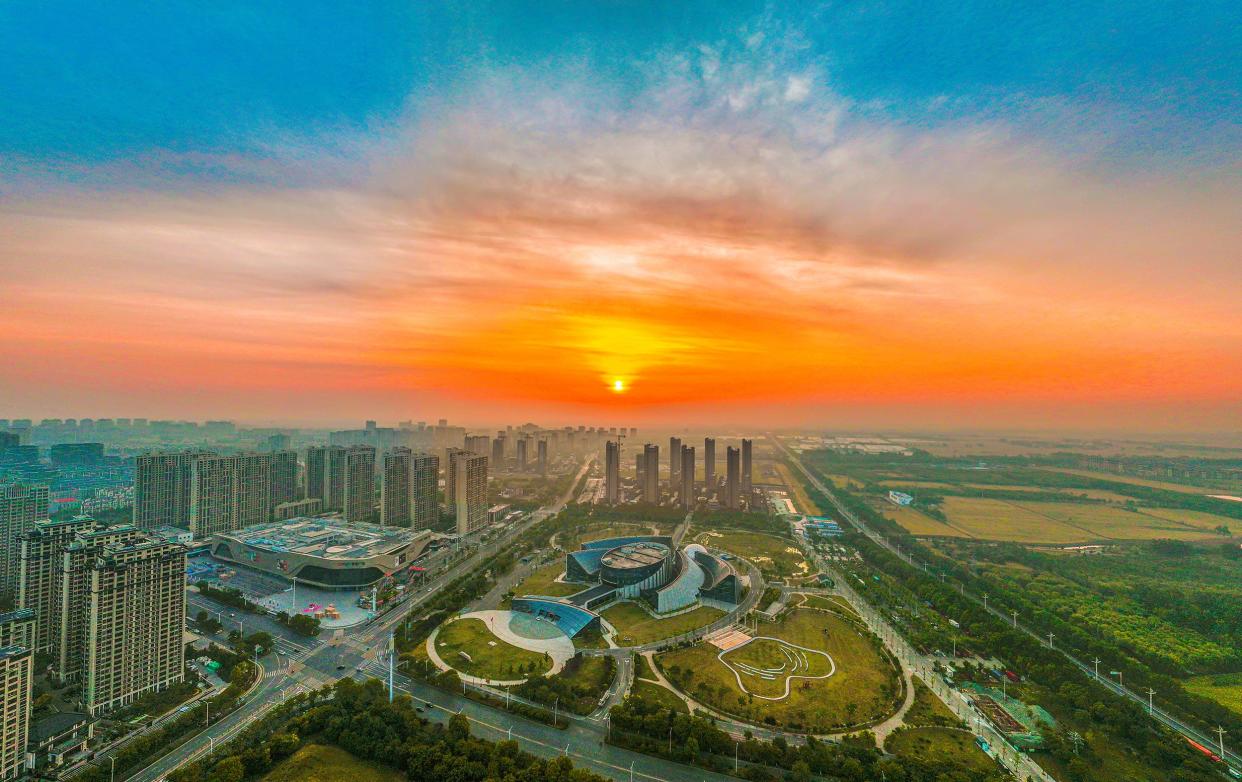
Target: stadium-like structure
<point x="646" y="567"/>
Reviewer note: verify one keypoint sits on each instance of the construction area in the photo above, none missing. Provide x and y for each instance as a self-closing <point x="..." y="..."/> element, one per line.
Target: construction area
<point x="1021" y="723"/>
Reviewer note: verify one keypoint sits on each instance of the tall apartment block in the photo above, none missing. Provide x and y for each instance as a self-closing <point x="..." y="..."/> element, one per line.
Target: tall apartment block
<point x="450" y="478"/>
<point x="478" y="443"/>
<point x="284" y="481"/>
<point x="521" y="454"/>
<point x="229" y="493"/>
<point x="651" y="473"/>
<point x="746" y="467"/>
<point x="674" y="464"/>
<point x="709" y="465"/>
<point x="687" y="477"/>
<point x="471" y="491"/>
<point x="498" y="453"/>
<point x="424" y="490"/>
<point x="612" y="472"/>
<point x="16" y="679"/>
<point x="17" y="628"/>
<point x="316" y="472"/>
<point x="360" y="484"/>
<point x="40" y="586"/>
<point x="20" y="507"/>
<point x="733" y="473"/>
<point x="541" y="459"/>
<point x="162" y="488"/>
<point x="135" y="618"/>
<point x="396" y="489"/>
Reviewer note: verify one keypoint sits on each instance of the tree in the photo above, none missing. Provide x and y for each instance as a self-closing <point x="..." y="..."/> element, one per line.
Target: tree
<point x="459" y="727"/>
<point x="230" y="769"/>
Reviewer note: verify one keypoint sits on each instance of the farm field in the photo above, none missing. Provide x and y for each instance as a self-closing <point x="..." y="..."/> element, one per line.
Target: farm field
<point x="944" y="745"/>
<point x="543" y="582"/>
<point x="1108" y="476"/>
<point x="917" y="523"/>
<point x="636" y="627"/>
<point x="775" y="557"/>
<point x="1105" y="521"/>
<point x="1001" y="520"/>
<point x="864" y="689"/>
<point x="324" y="763"/>
<point x="800" y="498"/>
<point x="1225" y="690"/>
<point x="490" y="657"/>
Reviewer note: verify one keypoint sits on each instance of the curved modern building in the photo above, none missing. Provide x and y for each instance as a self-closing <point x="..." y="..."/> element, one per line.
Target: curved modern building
<point x="650" y="568"/>
<point x="571" y="619"/>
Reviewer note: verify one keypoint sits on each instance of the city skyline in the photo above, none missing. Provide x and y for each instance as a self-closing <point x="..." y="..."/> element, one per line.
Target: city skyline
<point x="731" y="215"/>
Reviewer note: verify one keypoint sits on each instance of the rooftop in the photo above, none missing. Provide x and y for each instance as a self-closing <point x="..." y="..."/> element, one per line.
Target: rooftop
<point x="326" y="538"/>
<point x="635" y="555"/>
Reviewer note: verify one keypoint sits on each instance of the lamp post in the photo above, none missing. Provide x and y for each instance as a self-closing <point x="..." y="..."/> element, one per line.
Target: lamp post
<point x="1097" y="668"/>
<point x="112" y="773"/>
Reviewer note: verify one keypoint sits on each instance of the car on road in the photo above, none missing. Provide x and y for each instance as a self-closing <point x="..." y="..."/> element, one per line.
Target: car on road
<point x="340" y="667"/>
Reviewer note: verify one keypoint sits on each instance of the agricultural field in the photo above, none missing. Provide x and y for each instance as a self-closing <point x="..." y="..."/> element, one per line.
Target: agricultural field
<point x="775" y="557"/>
<point x="490" y="657"/>
<point x="543" y="582"/>
<point x="636" y="627"/>
<point x="795" y="486"/>
<point x="918" y="523"/>
<point x="324" y="763"/>
<point x="1135" y="481"/>
<point x="1225" y="689"/>
<point x="864" y="689"/>
<point x="942" y="745"/>
<point x="1003" y="520"/>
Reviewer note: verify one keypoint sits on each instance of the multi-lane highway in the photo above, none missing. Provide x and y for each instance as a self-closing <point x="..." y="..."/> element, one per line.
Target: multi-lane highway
<point x="1232" y="758"/>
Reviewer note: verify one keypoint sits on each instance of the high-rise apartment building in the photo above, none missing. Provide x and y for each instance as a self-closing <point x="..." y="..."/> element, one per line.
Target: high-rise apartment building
<point x="424" y="490"/>
<point x="498" y="453"/>
<point x="541" y="458"/>
<point x="478" y="443"/>
<point x="284" y="481"/>
<point x="40" y="586"/>
<point x="746" y="468"/>
<point x="521" y="454"/>
<point x="17" y="628"/>
<point x="450" y="478"/>
<point x="20" y="507"/>
<point x="470" y="504"/>
<point x="709" y="465"/>
<point x="162" y="488"/>
<point x="334" y="478"/>
<point x="687" y="477"/>
<point x="612" y="472"/>
<point x="16" y="681"/>
<point x="78" y="561"/>
<point x="229" y="492"/>
<point x="396" y="490"/>
<point x="733" y="472"/>
<point x="316" y="472"/>
<point x="135" y="621"/>
<point x="651" y="473"/>
<point x="674" y="464"/>
<point x="360" y="484"/>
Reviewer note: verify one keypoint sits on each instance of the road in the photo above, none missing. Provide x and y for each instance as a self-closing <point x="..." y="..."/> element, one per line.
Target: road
<point x="1158" y="714"/>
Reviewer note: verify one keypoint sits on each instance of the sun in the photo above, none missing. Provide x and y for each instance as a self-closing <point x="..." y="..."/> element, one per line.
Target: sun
<point x="618" y="386"/>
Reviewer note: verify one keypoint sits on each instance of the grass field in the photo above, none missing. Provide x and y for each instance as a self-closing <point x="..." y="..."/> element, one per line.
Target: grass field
<point x="1225" y="690"/>
<point x="1108" y="476"/>
<point x="656" y="693"/>
<point x="928" y="710"/>
<point x="490" y="657"/>
<point x="940" y="744"/>
<point x="1063" y="522"/>
<point x="864" y="690"/>
<point x="917" y="523"/>
<point x="543" y="582"/>
<point x="830" y="602"/>
<point x="768" y="655"/>
<point x="636" y="627"/>
<point x="775" y="557"/>
<point x="322" y="763"/>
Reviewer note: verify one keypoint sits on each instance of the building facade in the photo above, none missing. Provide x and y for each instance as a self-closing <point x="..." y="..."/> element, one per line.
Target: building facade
<point x="733" y="476"/>
<point x="424" y="490"/>
<point x="612" y="472"/>
<point x="16" y="680"/>
<point x="229" y="492"/>
<point x="709" y="466"/>
<point x="162" y="488"/>
<point x="651" y="473"/>
<point x="360" y="484"/>
<point x="470" y="505"/>
<point x="687" y="477"/>
<point x="21" y="506"/>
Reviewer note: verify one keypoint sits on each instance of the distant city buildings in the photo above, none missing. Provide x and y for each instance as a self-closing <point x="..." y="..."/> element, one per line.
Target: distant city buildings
<point x="687" y="477"/>
<point x="733" y="478"/>
<point x="651" y="473"/>
<point x="612" y="472"/>
<point x="674" y="464"/>
<point x="521" y="454"/>
<point x="541" y="459"/>
<point x="21" y="507"/>
<point x="746" y="462"/>
<point x="709" y="466"/>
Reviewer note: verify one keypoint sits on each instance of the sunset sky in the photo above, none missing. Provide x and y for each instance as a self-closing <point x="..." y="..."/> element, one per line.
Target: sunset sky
<point x="871" y="214"/>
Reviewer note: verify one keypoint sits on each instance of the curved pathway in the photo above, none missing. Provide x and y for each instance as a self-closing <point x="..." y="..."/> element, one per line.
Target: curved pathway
<point x="559" y="648"/>
<point x="788" y="679"/>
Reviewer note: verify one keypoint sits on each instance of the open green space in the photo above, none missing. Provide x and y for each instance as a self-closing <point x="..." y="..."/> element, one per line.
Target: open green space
<point x="865" y="689"/>
<point x="489" y="657"/>
<point x="928" y="710"/>
<point x="325" y="763"/>
<point x="543" y="582"/>
<point x="578" y="686"/>
<point x="830" y="603"/>
<point x="1225" y="689"/>
<point x="660" y="695"/>
<point x="636" y="627"/>
<point x="940" y="745"/>
<point x="765" y="666"/>
<point x="775" y="557"/>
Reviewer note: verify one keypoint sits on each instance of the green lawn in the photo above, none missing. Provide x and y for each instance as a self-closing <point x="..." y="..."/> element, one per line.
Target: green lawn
<point x="782" y="660"/>
<point x="490" y="657"/>
<point x="636" y="627"/>
<point x="655" y="693"/>
<point x="928" y="710"/>
<point x="1224" y="689"/>
<point x="323" y="763"/>
<point x="864" y="690"/>
<point x="543" y="582"/>
<point x="775" y="557"/>
<point x="940" y="745"/>
<point x="831" y="603"/>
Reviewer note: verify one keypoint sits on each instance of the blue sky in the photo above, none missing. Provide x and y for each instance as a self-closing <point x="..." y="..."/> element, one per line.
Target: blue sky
<point x="85" y="83"/>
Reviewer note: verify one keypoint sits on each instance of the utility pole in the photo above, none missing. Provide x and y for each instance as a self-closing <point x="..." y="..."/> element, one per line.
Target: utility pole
<point x="1151" y="694"/>
<point x="1097" y="668"/>
<point x="1015" y="618"/>
<point x="1220" y="734"/>
<point x="1050" y="637"/>
<point x="985" y="601"/>
<point x="391" y="655"/>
